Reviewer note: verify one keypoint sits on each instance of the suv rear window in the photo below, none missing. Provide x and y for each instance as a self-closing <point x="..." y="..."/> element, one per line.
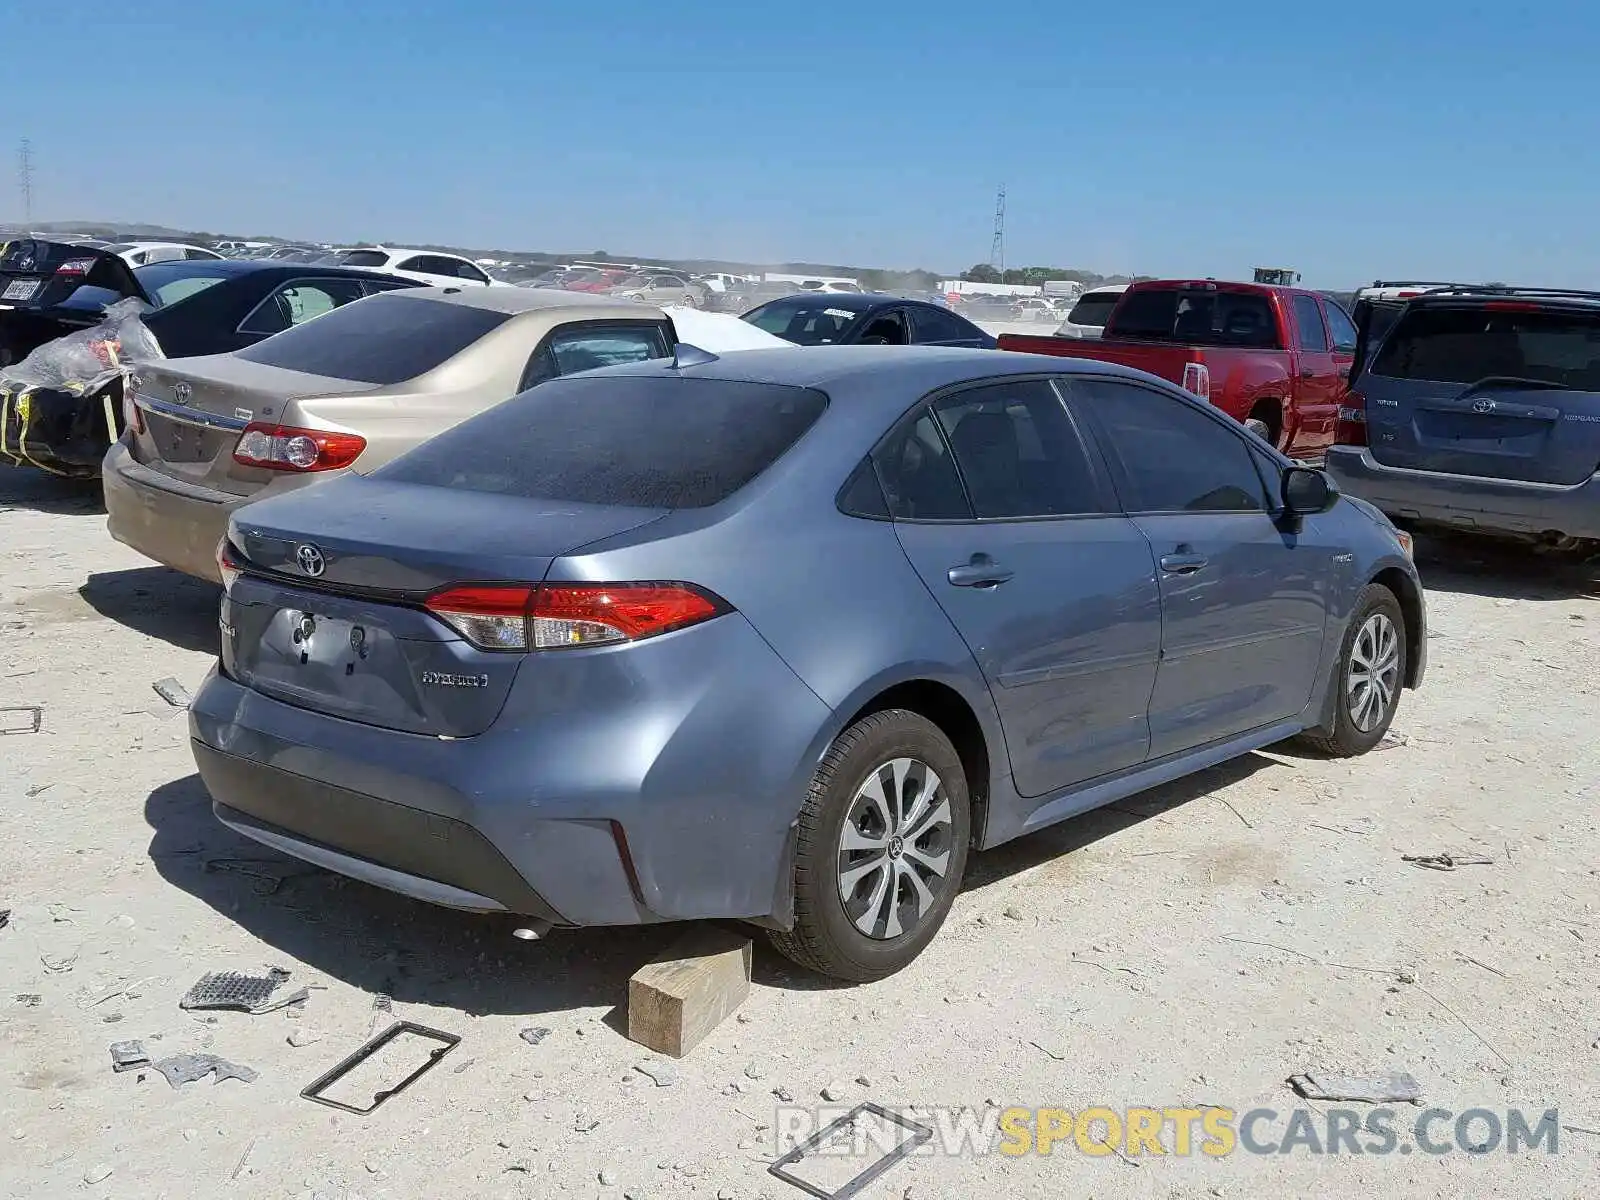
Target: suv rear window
<point x="382" y="339"/>
<point x="1197" y="316"/>
<point x="621" y="440"/>
<point x="1093" y="310"/>
<point x="363" y="258"/>
<point x="1468" y="344"/>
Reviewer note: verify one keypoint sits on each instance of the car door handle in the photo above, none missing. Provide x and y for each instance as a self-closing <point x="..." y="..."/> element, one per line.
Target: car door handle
<point x="981" y="572"/>
<point x="1182" y="564"/>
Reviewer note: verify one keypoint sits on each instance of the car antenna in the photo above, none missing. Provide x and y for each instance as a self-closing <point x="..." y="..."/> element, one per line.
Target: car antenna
<point x="685" y="355"/>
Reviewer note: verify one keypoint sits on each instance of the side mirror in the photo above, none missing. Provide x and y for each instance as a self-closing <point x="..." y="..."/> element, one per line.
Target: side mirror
<point x="1307" y="490"/>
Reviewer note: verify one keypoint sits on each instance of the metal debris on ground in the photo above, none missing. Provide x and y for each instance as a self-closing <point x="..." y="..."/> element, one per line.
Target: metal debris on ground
<point x="1447" y="861"/>
<point x="128" y="1056"/>
<point x="231" y="990"/>
<point x="1394" y="1086"/>
<point x="447" y="1042"/>
<point x="919" y="1134"/>
<point x="188" y="1068"/>
<point x="173" y="692"/>
<point x="295" y="998"/>
<point x="30" y="720"/>
<point x="534" y="1034"/>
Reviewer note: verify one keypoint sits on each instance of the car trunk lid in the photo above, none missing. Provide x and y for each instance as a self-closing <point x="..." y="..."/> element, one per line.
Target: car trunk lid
<point x="194" y="410"/>
<point x="48" y="289"/>
<point x="328" y="614"/>
<point x="1503" y="389"/>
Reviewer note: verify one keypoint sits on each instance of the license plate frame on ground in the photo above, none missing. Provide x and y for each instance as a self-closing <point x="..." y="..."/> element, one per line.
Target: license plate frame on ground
<point x="21" y="289"/>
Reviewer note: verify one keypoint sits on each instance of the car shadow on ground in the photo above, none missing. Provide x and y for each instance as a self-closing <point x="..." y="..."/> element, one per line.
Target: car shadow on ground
<point x="380" y="942"/>
<point x="159" y="603"/>
<point x="1502" y="570"/>
<point x="39" y="491"/>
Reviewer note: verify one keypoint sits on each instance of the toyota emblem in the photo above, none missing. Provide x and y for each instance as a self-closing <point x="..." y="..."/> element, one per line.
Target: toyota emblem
<point x="181" y="392"/>
<point x="1485" y="405"/>
<point x="310" y="559"/>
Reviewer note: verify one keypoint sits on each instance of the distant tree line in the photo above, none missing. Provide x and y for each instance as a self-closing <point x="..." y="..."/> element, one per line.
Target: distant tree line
<point x="985" y="273"/>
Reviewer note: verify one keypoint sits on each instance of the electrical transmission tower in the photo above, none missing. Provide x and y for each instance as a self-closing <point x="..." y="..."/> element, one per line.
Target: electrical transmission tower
<point x="25" y="179"/>
<point x="997" y="248"/>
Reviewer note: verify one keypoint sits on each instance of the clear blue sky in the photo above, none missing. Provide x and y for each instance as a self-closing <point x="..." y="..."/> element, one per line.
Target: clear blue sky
<point x="1433" y="138"/>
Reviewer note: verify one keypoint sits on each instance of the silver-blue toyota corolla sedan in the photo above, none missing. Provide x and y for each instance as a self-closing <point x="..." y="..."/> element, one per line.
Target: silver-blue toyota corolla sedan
<point x="783" y="636"/>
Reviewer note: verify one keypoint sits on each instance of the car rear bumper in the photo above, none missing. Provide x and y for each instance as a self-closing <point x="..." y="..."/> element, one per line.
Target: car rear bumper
<point x="673" y="800"/>
<point x="58" y="431"/>
<point x="1468" y="502"/>
<point x="175" y="523"/>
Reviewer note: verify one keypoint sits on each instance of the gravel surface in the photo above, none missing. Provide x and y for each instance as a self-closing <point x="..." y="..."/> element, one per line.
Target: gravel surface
<point x="1196" y="945"/>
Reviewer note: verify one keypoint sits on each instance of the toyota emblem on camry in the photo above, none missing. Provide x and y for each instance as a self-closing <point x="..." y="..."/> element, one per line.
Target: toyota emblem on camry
<point x="1485" y="405"/>
<point x="181" y="392"/>
<point x="310" y="559"/>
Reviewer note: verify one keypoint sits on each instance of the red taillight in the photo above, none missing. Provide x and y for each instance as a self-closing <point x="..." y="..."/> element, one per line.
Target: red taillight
<point x="132" y="414"/>
<point x="229" y="564"/>
<point x="556" y="615"/>
<point x="287" y="448"/>
<point x="1197" y="379"/>
<point x="1351" y="427"/>
<point x="76" y="266"/>
<point x="1510" y="306"/>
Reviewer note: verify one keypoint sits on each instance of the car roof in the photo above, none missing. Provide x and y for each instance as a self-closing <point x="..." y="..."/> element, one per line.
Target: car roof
<point x="514" y="300"/>
<point x="915" y="370"/>
<point x="252" y="266"/>
<point x="857" y="302"/>
<point x="407" y="250"/>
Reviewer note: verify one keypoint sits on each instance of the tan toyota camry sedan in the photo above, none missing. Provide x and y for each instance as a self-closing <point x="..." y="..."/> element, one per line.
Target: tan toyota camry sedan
<point x="347" y="391"/>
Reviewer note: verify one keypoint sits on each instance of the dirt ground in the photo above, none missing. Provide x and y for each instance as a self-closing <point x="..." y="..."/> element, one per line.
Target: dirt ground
<point x="1195" y="946"/>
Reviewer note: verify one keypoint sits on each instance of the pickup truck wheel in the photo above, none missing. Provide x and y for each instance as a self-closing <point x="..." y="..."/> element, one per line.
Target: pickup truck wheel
<point x="1263" y="422"/>
<point x="1367" y="680"/>
<point x="882" y="847"/>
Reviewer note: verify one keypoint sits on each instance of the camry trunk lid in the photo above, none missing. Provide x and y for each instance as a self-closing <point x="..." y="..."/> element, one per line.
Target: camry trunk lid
<point x="48" y="289"/>
<point x="194" y="410"/>
<point x="1499" y="388"/>
<point x="328" y="613"/>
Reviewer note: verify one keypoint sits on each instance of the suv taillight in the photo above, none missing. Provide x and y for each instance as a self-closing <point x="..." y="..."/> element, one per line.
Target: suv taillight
<point x="1351" y="427"/>
<point x="1197" y="379"/>
<point x="288" y="448"/>
<point x="554" y="616"/>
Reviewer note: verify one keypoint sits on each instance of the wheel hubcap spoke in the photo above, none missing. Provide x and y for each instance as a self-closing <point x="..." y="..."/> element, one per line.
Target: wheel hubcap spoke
<point x="1373" y="674"/>
<point x="894" y="849"/>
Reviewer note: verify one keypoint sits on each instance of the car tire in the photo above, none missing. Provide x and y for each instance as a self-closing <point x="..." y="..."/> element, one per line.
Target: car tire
<point x="893" y="784"/>
<point x="1370" y="675"/>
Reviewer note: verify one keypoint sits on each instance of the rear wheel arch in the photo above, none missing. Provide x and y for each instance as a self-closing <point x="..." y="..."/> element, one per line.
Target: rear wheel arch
<point x="1269" y="410"/>
<point x="957" y="720"/>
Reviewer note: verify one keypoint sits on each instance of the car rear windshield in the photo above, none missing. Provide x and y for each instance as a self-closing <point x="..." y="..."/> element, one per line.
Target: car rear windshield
<point x="382" y="339"/>
<point x="1468" y="344"/>
<point x="1197" y="316"/>
<point x="169" y="282"/>
<point x="363" y="258"/>
<point x="623" y="440"/>
<point x="1093" y="310"/>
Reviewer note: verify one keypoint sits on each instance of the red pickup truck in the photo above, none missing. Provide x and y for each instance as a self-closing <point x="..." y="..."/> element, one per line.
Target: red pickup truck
<point x="1276" y="359"/>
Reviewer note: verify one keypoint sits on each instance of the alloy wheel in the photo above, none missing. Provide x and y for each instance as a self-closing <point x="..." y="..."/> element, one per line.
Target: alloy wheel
<point x="894" y="849"/>
<point x="1373" y="676"/>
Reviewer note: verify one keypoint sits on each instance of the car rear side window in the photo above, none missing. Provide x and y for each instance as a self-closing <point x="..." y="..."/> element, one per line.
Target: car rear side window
<point x="1017" y="451"/>
<point x="1094" y="309"/>
<point x="382" y="339"/>
<point x="1308" y="324"/>
<point x="1344" y="330"/>
<point x="649" y="442"/>
<point x="1168" y="455"/>
<point x="589" y="347"/>
<point x="364" y="258"/>
<point x="919" y="475"/>
<point x="1469" y="344"/>
<point x="933" y="324"/>
<point x="1197" y="316"/>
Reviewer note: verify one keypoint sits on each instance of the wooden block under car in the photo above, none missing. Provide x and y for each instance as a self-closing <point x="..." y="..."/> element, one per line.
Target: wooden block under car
<point x="690" y="989"/>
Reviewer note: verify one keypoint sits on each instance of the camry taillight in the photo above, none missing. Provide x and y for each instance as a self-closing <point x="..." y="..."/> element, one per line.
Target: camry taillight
<point x="1350" y="428"/>
<point x="288" y="448"/>
<point x="132" y="414"/>
<point x="554" y="616"/>
<point x="229" y="564"/>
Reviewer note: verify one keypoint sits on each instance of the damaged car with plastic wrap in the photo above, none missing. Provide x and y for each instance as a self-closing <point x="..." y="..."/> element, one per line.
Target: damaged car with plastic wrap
<point x="76" y="323"/>
<point x="782" y="635"/>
